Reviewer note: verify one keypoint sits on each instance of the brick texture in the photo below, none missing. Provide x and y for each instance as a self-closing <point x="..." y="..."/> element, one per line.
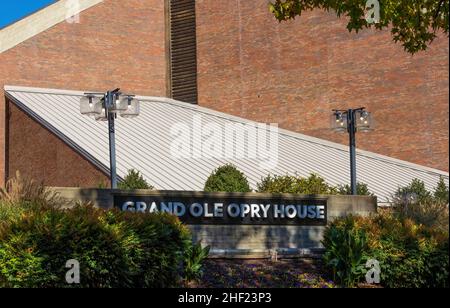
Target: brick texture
<point x="295" y="73"/>
<point x="49" y="160"/>
<point x="116" y="44"/>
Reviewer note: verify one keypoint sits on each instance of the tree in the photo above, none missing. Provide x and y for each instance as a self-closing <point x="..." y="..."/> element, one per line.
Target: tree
<point x="134" y="180"/>
<point x="413" y="192"/>
<point x="414" y="23"/>
<point x="441" y="191"/>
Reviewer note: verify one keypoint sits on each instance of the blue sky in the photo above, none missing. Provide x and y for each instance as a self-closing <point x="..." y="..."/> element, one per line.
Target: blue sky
<point x="13" y="10"/>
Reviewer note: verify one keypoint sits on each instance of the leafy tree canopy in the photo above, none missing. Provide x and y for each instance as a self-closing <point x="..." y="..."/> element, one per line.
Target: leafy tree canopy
<point x="414" y="23"/>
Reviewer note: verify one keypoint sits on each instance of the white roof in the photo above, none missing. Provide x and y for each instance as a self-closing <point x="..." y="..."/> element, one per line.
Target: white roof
<point x="144" y="144"/>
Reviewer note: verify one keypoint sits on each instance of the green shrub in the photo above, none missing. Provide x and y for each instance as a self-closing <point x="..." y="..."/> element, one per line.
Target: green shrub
<point x="134" y="180"/>
<point x="441" y="192"/>
<point x="415" y="191"/>
<point x="410" y="254"/>
<point x="429" y="213"/>
<point x="345" y="247"/>
<point x="314" y="184"/>
<point x="227" y="179"/>
<point x="193" y="261"/>
<point x="429" y="208"/>
<point x="114" y="249"/>
<point x="362" y="189"/>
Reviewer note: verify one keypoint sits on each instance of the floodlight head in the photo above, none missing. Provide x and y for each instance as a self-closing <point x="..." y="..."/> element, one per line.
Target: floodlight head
<point x="364" y="121"/>
<point x="132" y="107"/>
<point x="339" y="121"/>
<point x="90" y="105"/>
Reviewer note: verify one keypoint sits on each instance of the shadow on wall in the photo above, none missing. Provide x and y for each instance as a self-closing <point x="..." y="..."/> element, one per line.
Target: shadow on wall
<point x="246" y="237"/>
<point x="101" y="198"/>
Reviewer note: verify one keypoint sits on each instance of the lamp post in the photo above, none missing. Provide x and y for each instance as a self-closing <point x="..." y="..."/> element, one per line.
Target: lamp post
<point x="106" y="107"/>
<point x="352" y="121"/>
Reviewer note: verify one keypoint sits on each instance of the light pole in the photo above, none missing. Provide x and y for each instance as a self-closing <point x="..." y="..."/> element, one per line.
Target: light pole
<point x="352" y="121"/>
<point x="106" y="107"/>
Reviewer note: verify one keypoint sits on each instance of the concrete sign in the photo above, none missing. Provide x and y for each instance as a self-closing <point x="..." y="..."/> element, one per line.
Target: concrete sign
<point x="238" y="224"/>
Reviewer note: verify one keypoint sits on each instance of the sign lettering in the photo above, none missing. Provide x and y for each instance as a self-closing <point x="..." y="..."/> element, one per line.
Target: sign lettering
<point x="216" y="210"/>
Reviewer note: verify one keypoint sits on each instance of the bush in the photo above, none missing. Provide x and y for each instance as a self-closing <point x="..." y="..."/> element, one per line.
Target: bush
<point x="227" y="179"/>
<point x="429" y="208"/>
<point x="314" y="184"/>
<point x="362" y="189"/>
<point x="441" y="192"/>
<point x="134" y="180"/>
<point x="410" y="254"/>
<point x="345" y="247"/>
<point x="114" y="249"/>
<point x="429" y="213"/>
<point x="415" y="192"/>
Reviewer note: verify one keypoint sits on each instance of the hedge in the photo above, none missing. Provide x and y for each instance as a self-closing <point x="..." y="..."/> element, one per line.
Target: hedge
<point x="410" y="255"/>
<point x="114" y="249"/>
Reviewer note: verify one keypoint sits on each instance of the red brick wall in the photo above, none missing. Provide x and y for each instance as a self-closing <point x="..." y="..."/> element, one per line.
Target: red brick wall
<point x="49" y="160"/>
<point x="116" y="44"/>
<point x="295" y="73"/>
<point x="249" y="65"/>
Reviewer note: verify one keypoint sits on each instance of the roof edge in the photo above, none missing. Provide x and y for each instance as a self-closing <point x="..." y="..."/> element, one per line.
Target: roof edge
<point x="40" y="21"/>
<point x="60" y="135"/>
<point x="226" y="116"/>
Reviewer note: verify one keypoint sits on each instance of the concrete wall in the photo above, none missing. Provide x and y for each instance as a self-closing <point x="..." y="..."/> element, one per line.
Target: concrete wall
<point x="247" y="240"/>
<point x="294" y="73"/>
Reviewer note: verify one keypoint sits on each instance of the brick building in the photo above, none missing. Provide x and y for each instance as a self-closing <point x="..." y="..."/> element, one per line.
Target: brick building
<point x="230" y="56"/>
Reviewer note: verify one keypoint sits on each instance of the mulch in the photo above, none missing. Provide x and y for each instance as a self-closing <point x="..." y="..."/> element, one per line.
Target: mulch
<point x="286" y="273"/>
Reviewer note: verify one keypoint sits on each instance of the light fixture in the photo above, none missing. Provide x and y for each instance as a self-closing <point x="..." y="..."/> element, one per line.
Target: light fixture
<point x="352" y="121"/>
<point x="106" y="107"/>
<point x="132" y="107"/>
<point x="118" y="105"/>
<point x="90" y="105"/>
<point x="101" y="116"/>
<point x="364" y="122"/>
<point x="339" y="121"/>
<point x="363" y="115"/>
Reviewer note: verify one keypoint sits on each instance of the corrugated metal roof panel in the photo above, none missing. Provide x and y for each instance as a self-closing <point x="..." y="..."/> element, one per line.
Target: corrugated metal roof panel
<point x="144" y="144"/>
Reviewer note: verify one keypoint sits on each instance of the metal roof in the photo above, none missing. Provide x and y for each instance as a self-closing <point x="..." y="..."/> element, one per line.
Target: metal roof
<point x="144" y="144"/>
